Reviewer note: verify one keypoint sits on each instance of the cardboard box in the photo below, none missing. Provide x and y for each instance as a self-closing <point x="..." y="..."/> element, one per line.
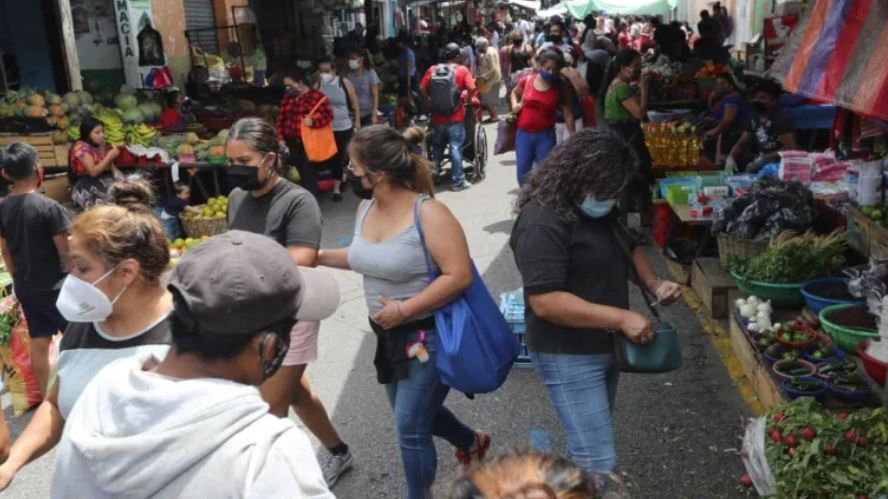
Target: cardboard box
<point x="713" y="285"/>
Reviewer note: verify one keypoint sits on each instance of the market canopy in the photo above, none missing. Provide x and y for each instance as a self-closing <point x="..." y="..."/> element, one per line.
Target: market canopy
<point x="533" y="5"/>
<point x="582" y="8"/>
<point x="837" y="54"/>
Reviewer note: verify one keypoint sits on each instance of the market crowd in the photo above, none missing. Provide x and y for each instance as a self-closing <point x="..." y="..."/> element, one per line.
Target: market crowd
<point x="176" y="380"/>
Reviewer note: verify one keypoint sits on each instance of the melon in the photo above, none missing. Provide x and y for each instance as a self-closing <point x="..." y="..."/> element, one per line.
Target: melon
<point x="147" y="111"/>
<point x="37" y="100"/>
<point x="192" y="138"/>
<point x="185" y="149"/>
<point x="126" y="101"/>
<point x="72" y="100"/>
<point x="35" y="111"/>
<point x="85" y="97"/>
<point x="53" y="99"/>
<point x="133" y="116"/>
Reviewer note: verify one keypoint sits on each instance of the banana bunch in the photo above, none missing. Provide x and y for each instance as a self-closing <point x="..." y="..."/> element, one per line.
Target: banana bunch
<point x="114" y="132"/>
<point x="140" y="134"/>
<point x="73" y="133"/>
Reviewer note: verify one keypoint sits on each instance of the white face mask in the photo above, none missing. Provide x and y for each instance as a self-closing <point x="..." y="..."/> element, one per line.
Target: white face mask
<point x="80" y="301"/>
<point x="354" y="63"/>
<point x="327" y="78"/>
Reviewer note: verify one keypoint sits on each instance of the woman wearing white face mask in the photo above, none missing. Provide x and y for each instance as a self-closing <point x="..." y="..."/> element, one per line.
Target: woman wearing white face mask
<point x="366" y="83"/>
<point x="574" y="257"/>
<point x="341" y="94"/>
<point x="117" y="307"/>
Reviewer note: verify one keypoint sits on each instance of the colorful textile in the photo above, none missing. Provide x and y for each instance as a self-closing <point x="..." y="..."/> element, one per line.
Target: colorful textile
<point x="836" y="54"/>
<point x="80" y="152"/>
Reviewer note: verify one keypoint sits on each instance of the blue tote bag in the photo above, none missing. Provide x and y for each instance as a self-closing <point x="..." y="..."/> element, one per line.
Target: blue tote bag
<point x="476" y="347"/>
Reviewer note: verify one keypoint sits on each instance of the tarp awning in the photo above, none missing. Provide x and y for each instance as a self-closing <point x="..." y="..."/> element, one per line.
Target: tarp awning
<point x="582" y="8"/>
<point x="558" y="10"/>
<point x="533" y="5"/>
<point x="837" y="54"/>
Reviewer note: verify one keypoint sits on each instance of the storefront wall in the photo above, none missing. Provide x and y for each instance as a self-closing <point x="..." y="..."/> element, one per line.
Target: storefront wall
<point x="24" y="34"/>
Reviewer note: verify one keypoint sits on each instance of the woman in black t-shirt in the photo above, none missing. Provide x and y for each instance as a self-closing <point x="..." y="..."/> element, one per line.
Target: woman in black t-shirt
<point x="573" y="255"/>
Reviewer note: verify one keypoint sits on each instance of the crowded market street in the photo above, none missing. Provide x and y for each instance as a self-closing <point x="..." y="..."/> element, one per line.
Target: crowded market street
<point x="678" y="434"/>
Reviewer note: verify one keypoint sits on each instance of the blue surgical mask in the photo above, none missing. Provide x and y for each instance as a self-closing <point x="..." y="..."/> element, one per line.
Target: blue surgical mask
<point x="594" y="208"/>
<point x="549" y="77"/>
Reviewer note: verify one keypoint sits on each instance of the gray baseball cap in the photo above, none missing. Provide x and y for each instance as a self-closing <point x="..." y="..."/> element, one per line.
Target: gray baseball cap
<point x="239" y="282"/>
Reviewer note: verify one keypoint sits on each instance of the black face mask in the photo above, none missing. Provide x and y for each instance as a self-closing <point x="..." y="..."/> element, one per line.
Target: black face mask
<point x="516" y="43"/>
<point x="246" y="177"/>
<point x="554" y="39"/>
<point x="271" y="366"/>
<point x="759" y="107"/>
<point x="357" y="186"/>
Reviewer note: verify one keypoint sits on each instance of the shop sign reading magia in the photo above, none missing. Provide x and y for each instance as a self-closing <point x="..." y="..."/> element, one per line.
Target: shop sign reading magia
<point x="132" y="16"/>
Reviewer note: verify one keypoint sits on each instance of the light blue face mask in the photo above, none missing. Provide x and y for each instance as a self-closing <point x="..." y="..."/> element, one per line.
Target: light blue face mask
<point x="594" y="208"/>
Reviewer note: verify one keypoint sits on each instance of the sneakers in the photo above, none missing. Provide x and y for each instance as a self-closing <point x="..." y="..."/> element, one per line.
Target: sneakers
<point x="460" y="187"/>
<point x="334" y="466"/>
<point x="476" y="454"/>
<point x="337" y="197"/>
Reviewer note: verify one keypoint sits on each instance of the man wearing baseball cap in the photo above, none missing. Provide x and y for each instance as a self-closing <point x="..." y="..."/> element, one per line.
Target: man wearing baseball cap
<point x="194" y="424"/>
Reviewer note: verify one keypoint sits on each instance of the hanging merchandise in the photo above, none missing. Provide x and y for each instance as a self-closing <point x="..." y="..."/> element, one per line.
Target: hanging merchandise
<point x="150" y="47"/>
<point x="836" y="54"/>
<point x="131" y="17"/>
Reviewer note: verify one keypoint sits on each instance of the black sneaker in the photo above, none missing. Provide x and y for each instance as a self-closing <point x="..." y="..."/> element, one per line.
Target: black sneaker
<point x="337" y="197"/>
<point x="460" y="187"/>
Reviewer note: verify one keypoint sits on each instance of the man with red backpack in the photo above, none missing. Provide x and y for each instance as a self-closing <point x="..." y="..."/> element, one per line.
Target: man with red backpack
<point x="442" y="87"/>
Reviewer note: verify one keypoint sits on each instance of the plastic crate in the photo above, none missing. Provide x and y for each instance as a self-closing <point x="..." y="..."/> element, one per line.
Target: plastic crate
<point x="710" y="180"/>
<point x="512" y="308"/>
<point x="667" y="183"/>
<point x="680" y="193"/>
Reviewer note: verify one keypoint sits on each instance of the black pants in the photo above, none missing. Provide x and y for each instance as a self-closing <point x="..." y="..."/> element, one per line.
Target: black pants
<point x="337" y="163"/>
<point x="308" y="172"/>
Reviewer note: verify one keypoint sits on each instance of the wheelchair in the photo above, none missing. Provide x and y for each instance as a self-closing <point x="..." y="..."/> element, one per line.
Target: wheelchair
<point x="474" y="149"/>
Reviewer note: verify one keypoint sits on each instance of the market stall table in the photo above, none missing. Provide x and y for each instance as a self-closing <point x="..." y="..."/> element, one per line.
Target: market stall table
<point x="683" y="213"/>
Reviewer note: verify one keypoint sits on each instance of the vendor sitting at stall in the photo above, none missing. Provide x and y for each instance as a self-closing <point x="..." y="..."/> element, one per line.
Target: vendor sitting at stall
<point x="770" y="131"/>
<point x="91" y="165"/>
<point x="177" y="115"/>
<point x="730" y="108"/>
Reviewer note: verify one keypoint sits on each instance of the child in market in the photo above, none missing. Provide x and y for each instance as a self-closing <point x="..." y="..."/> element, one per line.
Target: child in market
<point x="34" y="243"/>
<point x="174" y="207"/>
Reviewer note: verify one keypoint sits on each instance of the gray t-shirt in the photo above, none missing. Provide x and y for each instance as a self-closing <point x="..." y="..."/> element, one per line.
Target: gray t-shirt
<point x="364" y="83"/>
<point x="288" y="214"/>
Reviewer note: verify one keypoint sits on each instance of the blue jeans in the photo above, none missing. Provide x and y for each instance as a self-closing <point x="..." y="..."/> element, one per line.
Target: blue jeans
<point x="582" y="389"/>
<point x="532" y="147"/>
<point x="418" y="405"/>
<point x="455" y="134"/>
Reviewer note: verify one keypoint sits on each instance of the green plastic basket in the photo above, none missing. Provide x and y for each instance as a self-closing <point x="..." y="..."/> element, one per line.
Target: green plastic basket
<point x="680" y="193"/>
<point x="845" y="337"/>
<point x="781" y="295"/>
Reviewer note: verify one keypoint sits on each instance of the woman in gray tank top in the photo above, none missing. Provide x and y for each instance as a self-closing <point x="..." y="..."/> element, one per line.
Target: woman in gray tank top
<point x="401" y="299"/>
<point x="341" y="94"/>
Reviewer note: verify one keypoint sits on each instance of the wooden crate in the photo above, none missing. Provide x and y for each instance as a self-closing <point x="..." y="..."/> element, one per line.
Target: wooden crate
<point x="859" y="229"/>
<point x="57" y="187"/>
<point x="759" y="374"/>
<point x="713" y="284"/>
<point x="51" y="153"/>
<point x="878" y="242"/>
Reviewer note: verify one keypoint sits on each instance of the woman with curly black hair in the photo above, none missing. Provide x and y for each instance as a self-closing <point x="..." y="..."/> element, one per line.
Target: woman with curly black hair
<point x="574" y="256"/>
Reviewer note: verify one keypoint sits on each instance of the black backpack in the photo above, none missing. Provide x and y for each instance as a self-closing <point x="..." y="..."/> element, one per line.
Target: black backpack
<point x="443" y="91"/>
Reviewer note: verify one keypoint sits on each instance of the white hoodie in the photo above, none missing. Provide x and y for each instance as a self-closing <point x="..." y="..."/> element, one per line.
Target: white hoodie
<point x="137" y="434"/>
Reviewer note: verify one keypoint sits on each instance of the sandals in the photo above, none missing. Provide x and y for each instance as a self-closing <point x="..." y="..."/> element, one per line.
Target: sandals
<point x="477" y="453"/>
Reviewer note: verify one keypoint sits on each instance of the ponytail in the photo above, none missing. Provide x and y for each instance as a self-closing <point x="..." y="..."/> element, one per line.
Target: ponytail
<point x="623" y="58"/>
<point x="382" y="149"/>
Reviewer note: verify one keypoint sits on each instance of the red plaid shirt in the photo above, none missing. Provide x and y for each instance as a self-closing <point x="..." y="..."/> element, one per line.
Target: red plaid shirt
<point x="293" y="111"/>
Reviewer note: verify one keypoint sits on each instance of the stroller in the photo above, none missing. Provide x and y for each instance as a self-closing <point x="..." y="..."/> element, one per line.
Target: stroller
<point x="474" y="149"/>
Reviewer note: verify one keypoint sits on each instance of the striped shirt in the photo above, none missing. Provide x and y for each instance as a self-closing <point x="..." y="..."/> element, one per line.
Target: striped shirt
<point x="86" y="349"/>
